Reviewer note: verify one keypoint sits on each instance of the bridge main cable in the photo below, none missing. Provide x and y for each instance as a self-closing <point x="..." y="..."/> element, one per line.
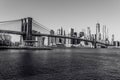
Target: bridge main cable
<point x="10" y="21"/>
<point x="40" y="25"/>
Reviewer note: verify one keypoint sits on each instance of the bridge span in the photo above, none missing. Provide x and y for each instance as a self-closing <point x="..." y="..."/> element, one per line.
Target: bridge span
<point x="48" y="35"/>
<point x="27" y="33"/>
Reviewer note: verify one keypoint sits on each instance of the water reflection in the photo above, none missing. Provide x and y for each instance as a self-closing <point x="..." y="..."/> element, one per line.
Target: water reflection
<point x="63" y="64"/>
<point x="26" y="65"/>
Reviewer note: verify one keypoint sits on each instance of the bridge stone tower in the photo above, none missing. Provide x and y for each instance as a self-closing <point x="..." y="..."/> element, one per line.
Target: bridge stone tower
<point x="26" y="27"/>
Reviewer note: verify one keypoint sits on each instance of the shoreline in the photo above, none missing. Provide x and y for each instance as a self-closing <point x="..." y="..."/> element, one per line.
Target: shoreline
<point x="26" y="48"/>
<point x="47" y="48"/>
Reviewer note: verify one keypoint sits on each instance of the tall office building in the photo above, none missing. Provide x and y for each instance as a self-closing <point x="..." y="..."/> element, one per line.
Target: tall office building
<point x="88" y="33"/>
<point x="107" y="32"/>
<point x="104" y="32"/>
<point x="98" y="32"/>
<point x="64" y="38"/>
<point x="58" y="31"/>
<point x="112" y="38"/>
<point x="52" y="39"/>
<point x="75" y="40"/>
<point x="61" y="31"/>
<point x="84" y="31"/>
<point x="72" y="34"/>
<point x="92" y="36"/>
<point x="81" y="34"/>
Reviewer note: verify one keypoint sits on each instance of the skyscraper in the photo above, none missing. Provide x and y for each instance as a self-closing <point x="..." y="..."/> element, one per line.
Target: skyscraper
<point x="64" y="38"/>
<point x="61" y="31"/>
<point x="72" y="33"/>
<point x="84" y="31"/>
<point x="98" y="31"/>
<point x="104" y="32"/>
<point x="81" y="34"/>
<point x="88" y="33"/>
<point x="52" y="39"/>
<point x="112" y="38"/>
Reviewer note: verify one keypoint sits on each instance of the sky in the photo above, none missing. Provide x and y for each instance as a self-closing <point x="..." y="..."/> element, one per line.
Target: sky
<point x="68" y="14"/>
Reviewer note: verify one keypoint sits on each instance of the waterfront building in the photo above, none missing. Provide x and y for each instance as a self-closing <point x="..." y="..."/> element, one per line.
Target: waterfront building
<point x="39" y="41"/>
<point x="68" y="41"/>
<point x="116" y="43"/>
<point x="5" y="39"/>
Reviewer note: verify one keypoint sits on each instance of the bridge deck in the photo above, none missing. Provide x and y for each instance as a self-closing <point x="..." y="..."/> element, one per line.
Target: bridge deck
<point x="48" y="35"/>
<point x="11" y="32"/>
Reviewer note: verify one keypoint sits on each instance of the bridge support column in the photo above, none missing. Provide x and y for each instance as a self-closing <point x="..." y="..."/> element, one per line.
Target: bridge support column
<point x="48" y="41"/>
<point x="55" y="41"/>
<point x="94" y="41"/>
<point x="22" y="30"/>
<point x="29" y="32"/>
<point x="26" y="28"/>
<point x="29" y="29"/>
<point x="95" y="45"/>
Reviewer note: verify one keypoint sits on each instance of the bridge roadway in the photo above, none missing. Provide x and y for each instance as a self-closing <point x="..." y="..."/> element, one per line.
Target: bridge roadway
<point x="59" y="36"/>
<point x="48" y="35"/>
<point x="12" y="32"/>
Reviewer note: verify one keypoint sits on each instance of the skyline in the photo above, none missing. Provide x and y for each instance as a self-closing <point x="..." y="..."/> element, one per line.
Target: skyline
<point x="77" y="14"/>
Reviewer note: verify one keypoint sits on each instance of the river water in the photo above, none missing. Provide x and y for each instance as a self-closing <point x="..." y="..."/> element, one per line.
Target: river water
<point x="60" y="64"/>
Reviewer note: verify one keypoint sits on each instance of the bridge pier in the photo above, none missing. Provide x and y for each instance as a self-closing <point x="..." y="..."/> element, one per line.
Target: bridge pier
<point x="48" y="41"/>
<point x="95" y="45"/>
<point x="26" y="27"/>
<point x="23" y="29"/>
<point x="55" y="41"/>
<point x="29" y="29"/>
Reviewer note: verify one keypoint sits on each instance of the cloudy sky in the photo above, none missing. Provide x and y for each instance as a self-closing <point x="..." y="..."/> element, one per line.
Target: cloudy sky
<point x="78" y="14"/>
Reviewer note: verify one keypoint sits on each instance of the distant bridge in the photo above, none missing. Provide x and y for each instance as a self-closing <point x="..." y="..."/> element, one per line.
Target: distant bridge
<point x="26" y="31"/>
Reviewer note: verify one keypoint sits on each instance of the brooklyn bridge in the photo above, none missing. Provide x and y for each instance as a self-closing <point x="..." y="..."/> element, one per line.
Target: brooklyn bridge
<point x="30" y="28"/>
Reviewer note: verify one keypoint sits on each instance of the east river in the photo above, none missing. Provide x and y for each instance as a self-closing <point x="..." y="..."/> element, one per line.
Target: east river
<point x="60" y="64"/>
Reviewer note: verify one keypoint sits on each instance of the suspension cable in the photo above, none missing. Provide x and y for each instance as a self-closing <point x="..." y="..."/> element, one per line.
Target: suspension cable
<point x="10" y="21"/>
<point x="36" y="25"/>
<point x="40" y="24"/>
